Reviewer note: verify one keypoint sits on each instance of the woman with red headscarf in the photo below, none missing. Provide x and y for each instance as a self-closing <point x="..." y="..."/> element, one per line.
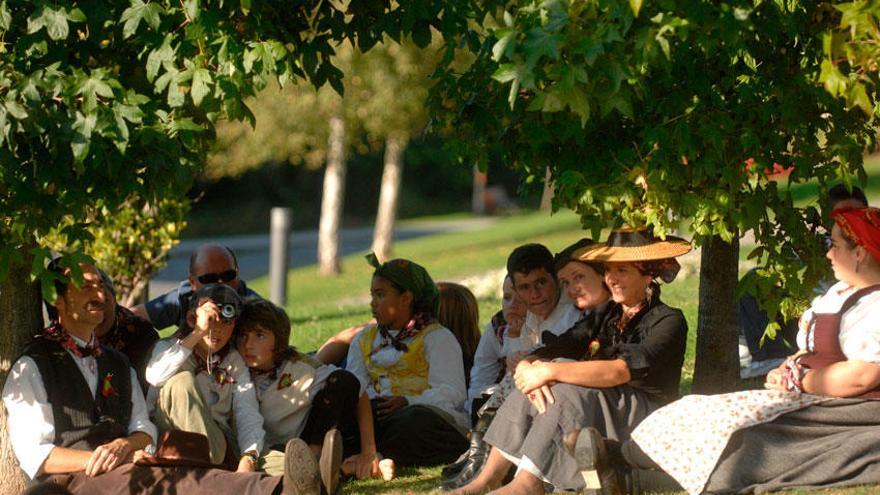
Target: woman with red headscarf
<point x="816" y="424"/>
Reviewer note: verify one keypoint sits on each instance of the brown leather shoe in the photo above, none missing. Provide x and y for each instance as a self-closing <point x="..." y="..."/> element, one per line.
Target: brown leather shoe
<point x="587" y="446"/>
<point x="331" y="461"/>
<point x="300" y="470"/>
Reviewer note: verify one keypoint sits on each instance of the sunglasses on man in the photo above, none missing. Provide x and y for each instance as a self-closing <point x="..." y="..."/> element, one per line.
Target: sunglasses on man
<point x="218" y="278"/>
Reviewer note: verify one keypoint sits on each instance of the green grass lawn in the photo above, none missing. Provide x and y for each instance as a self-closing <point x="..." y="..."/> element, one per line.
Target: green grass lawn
<point x="319" y="307"/>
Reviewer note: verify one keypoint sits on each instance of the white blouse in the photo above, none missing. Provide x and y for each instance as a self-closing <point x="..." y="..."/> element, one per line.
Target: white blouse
<point x="859" y="326"/>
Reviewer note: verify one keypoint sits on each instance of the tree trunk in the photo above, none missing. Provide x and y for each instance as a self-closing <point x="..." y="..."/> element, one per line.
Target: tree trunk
<point x="383" y="235"/>
<point x="139" y="293"/>
<point x="547" y="196"/>
<point x="20" y="317"/>
<point x="478" y="197"/>
<point x="717" y="364"/>
<point x="332" y="200"/>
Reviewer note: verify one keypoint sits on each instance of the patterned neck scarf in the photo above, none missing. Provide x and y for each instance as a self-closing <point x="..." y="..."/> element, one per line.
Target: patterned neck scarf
<point x="627" y="315"/>
<point x="412" y="328"/>
<point x="499" y="326"/>
<point x="57" y="333"/>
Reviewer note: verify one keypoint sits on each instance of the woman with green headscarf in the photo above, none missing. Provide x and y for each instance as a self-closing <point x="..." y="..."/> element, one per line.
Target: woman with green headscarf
<point x="411" y="367"/>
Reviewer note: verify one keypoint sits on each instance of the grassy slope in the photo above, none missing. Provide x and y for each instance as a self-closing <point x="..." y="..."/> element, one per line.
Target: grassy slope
<point x="320" y="307"/>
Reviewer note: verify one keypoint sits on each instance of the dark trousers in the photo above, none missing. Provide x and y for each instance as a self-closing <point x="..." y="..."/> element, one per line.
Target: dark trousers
<point x="335" y="406"/>
<point x="134" y="479"/>
<point x="418" y="436"/>
<point x="632" y="455"/>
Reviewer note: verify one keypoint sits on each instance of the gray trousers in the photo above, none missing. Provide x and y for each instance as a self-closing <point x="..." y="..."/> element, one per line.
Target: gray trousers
<point x="519" y="431"/>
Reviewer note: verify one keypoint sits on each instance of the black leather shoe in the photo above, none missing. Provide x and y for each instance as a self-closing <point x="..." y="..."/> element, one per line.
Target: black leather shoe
<point x="476" y="447"/>
<point x="451" y="470"/>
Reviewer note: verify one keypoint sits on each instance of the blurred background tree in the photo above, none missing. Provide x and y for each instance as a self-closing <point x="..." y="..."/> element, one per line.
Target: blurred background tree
<point x="383" y="107"/>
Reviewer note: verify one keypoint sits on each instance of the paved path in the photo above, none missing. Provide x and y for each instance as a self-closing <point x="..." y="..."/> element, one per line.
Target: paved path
<point x="253" y="250"/>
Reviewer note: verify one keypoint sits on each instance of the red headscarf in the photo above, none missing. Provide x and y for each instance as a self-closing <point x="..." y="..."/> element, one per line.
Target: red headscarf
<point x="861" y="226"/>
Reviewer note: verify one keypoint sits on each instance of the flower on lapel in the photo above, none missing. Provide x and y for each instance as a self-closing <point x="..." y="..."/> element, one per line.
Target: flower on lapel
<point x="594" y="347"/>
<point x="285" y="381"/>
<point x="107" y="386"/>
<point x="222" y="376"/>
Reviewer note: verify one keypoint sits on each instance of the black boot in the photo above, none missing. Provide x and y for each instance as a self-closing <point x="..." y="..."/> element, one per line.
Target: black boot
<point x="477" y="454"/>
<point x="466" y="467"/>
<point x="450" y="471"/>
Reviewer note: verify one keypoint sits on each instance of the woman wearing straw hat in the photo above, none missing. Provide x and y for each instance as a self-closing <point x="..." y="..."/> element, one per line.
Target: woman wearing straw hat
<point x="629" y="368"/>
<point x="816" y="424"/>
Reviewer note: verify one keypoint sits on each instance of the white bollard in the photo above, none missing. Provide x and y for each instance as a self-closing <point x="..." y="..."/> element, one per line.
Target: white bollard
<point x="278" y="249"/>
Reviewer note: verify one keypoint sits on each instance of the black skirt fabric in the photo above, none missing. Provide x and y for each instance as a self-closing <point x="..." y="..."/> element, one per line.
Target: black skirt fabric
<point x="832" y="444"/>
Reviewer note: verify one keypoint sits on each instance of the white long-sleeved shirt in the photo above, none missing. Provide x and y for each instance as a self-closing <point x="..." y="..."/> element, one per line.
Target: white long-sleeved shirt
<point x="31" y="422"/>
<point x="487" y="363"/>
<point x="446" y="385"/>
<point x="170" y="358"/>
<point x="490" y="353"/>
<point x="563" y="317"/>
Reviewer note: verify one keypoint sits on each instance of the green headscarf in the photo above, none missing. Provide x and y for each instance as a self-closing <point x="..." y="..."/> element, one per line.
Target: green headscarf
<point x="412" y="277"/>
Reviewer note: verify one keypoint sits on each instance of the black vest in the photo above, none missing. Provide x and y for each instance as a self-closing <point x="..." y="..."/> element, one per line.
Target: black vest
<point x="83" y="421"/>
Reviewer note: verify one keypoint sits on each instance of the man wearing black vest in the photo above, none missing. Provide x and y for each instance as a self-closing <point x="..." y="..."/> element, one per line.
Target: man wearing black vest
<point x="77" y="416"/>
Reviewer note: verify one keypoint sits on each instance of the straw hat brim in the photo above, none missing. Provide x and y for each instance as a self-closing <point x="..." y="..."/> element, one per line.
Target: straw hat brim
<point x="670" y="248"/>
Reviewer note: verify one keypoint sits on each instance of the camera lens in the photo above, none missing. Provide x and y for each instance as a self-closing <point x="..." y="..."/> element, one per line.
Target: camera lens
<point x="227" y="311"/>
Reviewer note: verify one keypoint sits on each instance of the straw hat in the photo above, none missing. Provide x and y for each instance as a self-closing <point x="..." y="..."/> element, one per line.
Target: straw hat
<point x="628" y="245"/>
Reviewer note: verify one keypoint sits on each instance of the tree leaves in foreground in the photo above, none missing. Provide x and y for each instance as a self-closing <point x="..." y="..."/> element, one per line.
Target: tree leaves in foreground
<point x="657" y="112"/>
<point x="108" y="103"/>
<point x="692" y="114"/>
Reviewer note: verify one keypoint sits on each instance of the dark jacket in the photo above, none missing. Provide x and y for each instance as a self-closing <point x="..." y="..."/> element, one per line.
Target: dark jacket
<point x="652" y="344"/>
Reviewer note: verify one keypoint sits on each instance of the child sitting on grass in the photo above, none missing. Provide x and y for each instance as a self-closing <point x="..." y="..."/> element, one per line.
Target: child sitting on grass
<point x="300" y="397"/>
<point x="412" y="366"/>
<point x="204" y="386"/>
